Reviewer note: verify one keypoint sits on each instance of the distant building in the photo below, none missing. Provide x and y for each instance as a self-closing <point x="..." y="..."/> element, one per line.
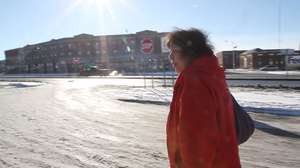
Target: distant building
<point x="226" y="59"/>
<point x="258" y="58"/>
<point x="140" y="52"/>
<point x="2" y="66"/>
<point x="15" y="61"/>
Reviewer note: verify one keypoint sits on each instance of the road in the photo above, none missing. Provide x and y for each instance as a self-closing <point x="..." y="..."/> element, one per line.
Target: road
<point x="81" y="123"/>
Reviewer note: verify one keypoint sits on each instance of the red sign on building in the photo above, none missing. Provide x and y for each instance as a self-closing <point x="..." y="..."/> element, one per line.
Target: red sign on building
<point x="147" y="45"/>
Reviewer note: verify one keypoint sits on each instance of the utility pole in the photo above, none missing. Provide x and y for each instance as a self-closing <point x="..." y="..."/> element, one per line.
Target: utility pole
<point x="279" y="24"/>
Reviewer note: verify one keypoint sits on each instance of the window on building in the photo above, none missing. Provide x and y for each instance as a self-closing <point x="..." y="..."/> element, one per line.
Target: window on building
<point x="88" y="53"/>
<point x="79" y="52"/>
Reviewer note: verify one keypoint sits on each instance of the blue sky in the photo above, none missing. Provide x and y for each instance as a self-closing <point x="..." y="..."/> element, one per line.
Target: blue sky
<point x="248" y="23"/>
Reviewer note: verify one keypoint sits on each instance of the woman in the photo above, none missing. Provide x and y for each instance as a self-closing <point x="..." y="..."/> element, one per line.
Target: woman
<point x="200" y="128"/>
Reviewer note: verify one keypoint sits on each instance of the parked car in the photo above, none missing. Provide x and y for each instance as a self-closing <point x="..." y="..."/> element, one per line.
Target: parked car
<point x="269" y="68"/>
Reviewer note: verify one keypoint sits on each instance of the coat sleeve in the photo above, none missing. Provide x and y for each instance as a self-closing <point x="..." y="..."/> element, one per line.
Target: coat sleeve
<point x="197" y="128"/>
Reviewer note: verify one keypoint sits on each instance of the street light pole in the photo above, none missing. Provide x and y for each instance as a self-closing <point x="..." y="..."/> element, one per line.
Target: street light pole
<point x="234" y="46"/>
<point x="233" y="57"/>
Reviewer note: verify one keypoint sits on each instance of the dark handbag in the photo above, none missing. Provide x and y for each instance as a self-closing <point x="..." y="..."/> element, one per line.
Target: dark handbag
<point x="244" y="123"/>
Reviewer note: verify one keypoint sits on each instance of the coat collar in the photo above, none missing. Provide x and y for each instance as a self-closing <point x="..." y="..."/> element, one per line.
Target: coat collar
<point x="204" y="65"/>
<point x="207" y="64"/>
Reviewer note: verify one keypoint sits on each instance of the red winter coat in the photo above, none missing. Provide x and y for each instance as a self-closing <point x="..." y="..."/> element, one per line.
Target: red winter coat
<point x="200" y="129"/>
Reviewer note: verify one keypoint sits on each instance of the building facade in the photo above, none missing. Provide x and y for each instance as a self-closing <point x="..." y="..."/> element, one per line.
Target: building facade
<point x="257" y="58"/>
<point x="2" y="66"/>
<point x="229" y="59"/>
<point x="141" y="52"/>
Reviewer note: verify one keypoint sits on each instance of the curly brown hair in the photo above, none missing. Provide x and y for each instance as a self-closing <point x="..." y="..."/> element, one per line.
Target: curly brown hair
<point x="192" y="42"/>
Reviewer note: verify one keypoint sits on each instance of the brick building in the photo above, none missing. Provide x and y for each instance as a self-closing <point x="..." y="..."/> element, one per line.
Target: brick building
<point x="141" y="52"/>
<point x="258" y="58"/>
<point x="2" y="66"/>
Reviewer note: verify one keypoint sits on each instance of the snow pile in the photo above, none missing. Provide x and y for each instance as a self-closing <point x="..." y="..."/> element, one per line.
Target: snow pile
<point x="9" y="85"/>
<point x="147" y="94"/>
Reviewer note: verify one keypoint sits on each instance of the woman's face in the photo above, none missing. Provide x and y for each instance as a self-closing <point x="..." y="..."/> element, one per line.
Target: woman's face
<point x="177" y="60"/>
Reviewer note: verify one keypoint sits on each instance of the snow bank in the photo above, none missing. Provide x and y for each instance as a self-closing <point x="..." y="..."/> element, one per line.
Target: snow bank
<point x="8" y="85"/>
<point x="273" y="101"/>
<point x="247" y="71"/>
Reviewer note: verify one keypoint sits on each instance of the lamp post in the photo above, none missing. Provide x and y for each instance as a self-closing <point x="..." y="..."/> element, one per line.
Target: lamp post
<point x="234" y="46"/>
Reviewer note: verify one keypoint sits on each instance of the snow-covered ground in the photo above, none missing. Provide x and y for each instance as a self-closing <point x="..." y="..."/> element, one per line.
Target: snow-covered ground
<point x="117" y="123"/>
<point x="78" y="123"/>
<point x="273" y="101"/>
